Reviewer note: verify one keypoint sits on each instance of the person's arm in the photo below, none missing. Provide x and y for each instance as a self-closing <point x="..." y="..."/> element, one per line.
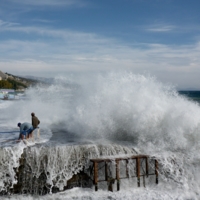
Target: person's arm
<point x="19" y="136"/>
<point x="21" y="129"/>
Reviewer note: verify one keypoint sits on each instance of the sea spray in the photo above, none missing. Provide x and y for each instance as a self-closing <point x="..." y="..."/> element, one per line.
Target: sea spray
<point x="47" y="168"/>
<point x="125" y="109"/>
<point x="9" y="157"/>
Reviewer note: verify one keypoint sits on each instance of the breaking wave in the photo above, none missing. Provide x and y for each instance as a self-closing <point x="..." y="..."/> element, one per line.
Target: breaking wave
<point x="125" y="109"/>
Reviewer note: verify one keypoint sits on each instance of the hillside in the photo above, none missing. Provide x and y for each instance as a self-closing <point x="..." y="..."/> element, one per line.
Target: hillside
<point x="15" y="82"/>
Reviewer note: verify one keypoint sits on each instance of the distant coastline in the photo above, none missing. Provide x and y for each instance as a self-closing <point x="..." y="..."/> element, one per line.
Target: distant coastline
<point x="10" y="81"/>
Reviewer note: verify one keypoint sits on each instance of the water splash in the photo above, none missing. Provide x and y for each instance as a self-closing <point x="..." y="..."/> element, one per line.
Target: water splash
<point x="122" y="108"/>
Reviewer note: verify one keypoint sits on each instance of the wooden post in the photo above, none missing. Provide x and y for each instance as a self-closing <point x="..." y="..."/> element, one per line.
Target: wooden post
<point x="127" y="170"/>
<point x="106" y="171"/>
<point x="106" y="178"/>
<point x="110" y="184"/>
<point x="117" y="175"/>
<point x="156" y="171"/>
<point x="138" y="170"/>
<point x="144" y="180"/>
<point x="147" y="167"/>
<point x="95" y="175"/>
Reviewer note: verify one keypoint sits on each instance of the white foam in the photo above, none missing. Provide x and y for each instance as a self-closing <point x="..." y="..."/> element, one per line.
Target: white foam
<point x="122" y="108"/>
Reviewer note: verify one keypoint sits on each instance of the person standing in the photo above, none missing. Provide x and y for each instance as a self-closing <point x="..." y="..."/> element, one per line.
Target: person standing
<point x="35" y="121"/>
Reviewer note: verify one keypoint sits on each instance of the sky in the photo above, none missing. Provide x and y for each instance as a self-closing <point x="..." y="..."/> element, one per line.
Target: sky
<point x="47" y="38"/>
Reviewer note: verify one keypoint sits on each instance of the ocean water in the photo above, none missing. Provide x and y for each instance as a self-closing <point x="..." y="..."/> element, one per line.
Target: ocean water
<point x="103" y="115"/>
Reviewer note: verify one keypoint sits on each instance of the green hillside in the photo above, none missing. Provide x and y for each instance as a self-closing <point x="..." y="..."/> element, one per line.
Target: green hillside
<point x="16" y="82"/>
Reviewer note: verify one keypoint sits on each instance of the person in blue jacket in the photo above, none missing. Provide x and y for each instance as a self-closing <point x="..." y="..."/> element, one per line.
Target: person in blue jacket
<point x="25" y="130"/>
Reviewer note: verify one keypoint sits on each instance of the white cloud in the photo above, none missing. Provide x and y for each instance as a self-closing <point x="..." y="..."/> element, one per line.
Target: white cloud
<point x="49" y="2"/>
<point x="43" y="21"/>
<point x="161" y="28"/>
<point x="66" y="50"/>
<point x="7" y="24"/>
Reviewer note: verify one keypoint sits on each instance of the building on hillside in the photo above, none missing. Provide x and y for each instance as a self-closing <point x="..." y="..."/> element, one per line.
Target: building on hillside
<point x="10" y="77"/>
<point x="3" y="76"/>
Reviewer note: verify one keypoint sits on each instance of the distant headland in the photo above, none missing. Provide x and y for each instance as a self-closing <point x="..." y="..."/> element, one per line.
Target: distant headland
<point x="9" y="81"/>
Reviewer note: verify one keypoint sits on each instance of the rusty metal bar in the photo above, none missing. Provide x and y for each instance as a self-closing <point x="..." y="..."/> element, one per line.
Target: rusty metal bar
<point x="147" y="167"/>
<point x="138" y="170"/>
<point x="106" y="171"/>
<point x="117" y="175"/>
<point x="127" y="170"/>
<point x="111" y="159"/>
<point x="96" y="175"/>
<point x="130" y="177"/>
<point x="156" y="171"/>
<point x="144" y="181"/>
<point x="111" y="180"/>
<point x="110" y="185"/>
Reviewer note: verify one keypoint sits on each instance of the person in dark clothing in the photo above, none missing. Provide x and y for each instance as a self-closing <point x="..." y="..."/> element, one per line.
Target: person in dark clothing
<point x="35" y="121"/>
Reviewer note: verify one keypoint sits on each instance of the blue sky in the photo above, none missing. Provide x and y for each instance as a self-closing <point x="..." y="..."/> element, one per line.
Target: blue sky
<point x="52" y="37"/>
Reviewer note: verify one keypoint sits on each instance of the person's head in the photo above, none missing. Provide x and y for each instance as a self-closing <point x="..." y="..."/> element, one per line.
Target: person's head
<point x="19" y="124"/>
<point x="32" y="114"/>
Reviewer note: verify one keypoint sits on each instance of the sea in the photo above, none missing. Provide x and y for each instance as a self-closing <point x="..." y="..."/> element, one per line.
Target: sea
<point x="102" y="115"/>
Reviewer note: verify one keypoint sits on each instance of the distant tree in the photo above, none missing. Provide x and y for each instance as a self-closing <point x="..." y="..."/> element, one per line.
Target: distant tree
<point x="5" y="84"/>
<point x="14" y="86"/>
